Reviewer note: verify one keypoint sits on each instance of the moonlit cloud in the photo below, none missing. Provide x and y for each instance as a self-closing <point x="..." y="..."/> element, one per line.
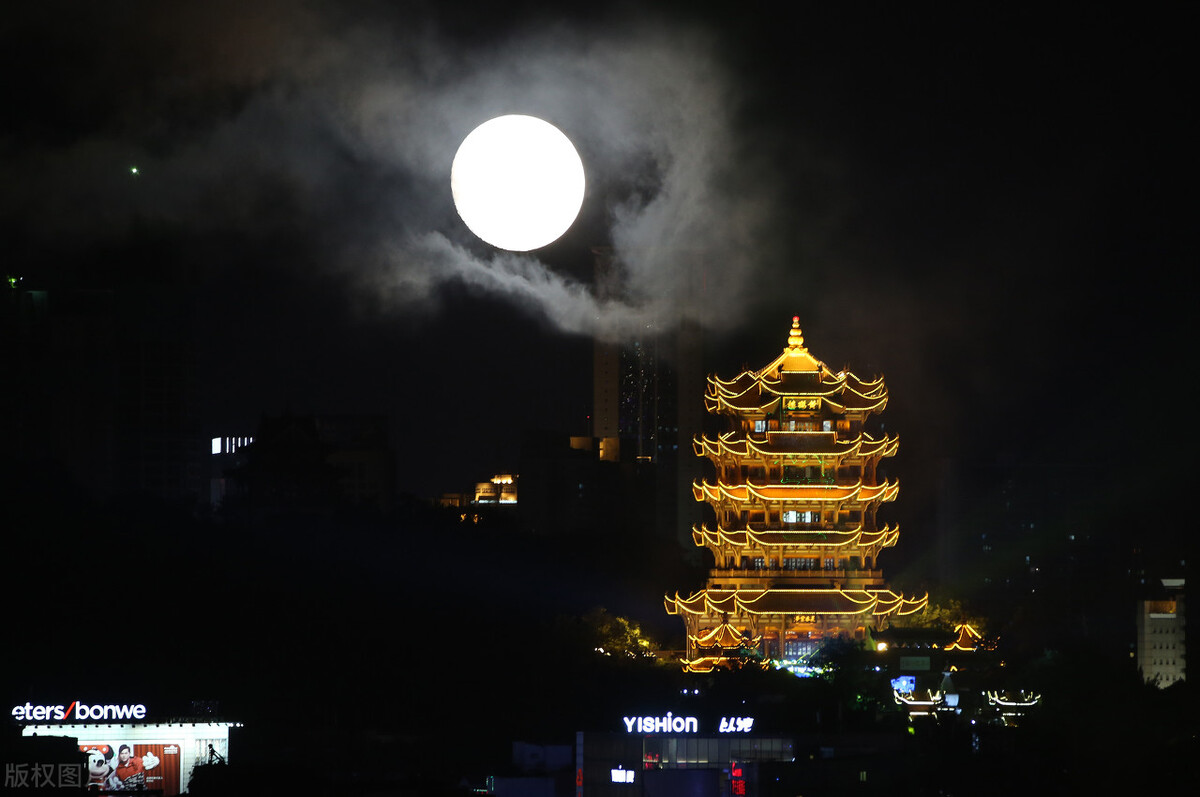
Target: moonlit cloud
<point x="652" y="112"/>
<point x="340" y="132"/>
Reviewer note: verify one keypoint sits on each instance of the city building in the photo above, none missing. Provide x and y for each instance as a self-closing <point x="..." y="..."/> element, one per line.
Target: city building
<point x="794" y="502"/>
<point x="500" y="489"/>
<point x="100" y="386"/>
<point x="569" y="485"/>
<point x="699" y="747"/>
<point x="311" y="465"/>
<point x="643" y="401"/>
<point x="228" y="454"/>
<point x="124" y="747"/>
<point x="1161" y="648"/>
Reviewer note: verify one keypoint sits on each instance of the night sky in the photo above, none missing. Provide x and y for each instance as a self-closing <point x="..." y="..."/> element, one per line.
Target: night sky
<point x="985" y="205"/>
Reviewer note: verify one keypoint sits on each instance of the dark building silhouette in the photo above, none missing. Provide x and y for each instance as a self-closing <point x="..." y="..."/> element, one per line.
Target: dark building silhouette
<point x="101" y="385"/>
<point x="568" y="486"/>
<point x="644" y="399"/>
<point x="315" y="465"/>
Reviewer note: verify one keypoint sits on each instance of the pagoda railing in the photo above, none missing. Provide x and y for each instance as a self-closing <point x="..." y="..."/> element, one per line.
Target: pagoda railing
<point x="813" y="482"/>
<point x="758" y="527"/>
<point x="792" y="572"/>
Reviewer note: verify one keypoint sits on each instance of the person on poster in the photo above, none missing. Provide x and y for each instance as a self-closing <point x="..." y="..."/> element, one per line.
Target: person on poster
<point x="131" y="769"/>
<point x="101" y="773"/>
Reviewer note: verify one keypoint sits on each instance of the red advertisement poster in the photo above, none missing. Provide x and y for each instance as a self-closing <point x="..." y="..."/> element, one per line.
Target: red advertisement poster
<point x="133" y="766"/>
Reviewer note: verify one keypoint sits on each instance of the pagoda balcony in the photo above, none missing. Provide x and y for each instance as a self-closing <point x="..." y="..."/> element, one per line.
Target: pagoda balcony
<point x="819" y="481"/>
<point x="759" y="528"/>
<point x="842" y="575"/>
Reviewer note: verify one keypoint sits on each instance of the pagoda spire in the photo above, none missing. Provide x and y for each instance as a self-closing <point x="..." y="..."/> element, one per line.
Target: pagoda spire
<point x="796" y="337"/>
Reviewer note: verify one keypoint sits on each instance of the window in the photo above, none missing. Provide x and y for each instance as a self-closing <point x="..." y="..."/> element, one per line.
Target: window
<point x="798" y="648"/>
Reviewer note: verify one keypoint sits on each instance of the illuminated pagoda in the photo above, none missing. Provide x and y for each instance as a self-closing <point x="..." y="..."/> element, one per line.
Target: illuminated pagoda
<point x="796" y="538"/>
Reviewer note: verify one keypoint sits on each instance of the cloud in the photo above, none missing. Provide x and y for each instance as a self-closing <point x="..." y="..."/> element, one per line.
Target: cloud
<point x="340" y="132"/>
<point x="653" y="113"/>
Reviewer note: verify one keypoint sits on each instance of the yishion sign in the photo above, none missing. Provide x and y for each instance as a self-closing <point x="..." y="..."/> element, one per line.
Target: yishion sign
<point x="78" y="712"/>
<point x="670" y="724"/>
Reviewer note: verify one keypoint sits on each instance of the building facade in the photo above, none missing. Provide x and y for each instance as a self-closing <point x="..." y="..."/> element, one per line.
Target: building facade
<point x="1161" y="636"/>
<point x="794" y="501"/>
<point x="158" y="757"/>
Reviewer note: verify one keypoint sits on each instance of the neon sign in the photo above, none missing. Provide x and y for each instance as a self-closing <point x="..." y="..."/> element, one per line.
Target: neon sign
<point x="667" y="724"/>
<point x="671" y="724"/>
<point x="737" y="780"/>
<point x="78" y="712"/>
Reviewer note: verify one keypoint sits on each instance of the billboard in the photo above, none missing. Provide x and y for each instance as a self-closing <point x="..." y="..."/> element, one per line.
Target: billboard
<point x="133" y="766"/>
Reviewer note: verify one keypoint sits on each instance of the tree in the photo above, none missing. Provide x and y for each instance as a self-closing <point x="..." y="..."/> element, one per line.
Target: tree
<point x="617" y="636"/>
<point x="947" y="615"/>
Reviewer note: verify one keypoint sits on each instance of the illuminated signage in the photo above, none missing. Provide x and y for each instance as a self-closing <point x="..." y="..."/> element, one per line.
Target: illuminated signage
<point x="797" y="405"/>
<point x="670" y="724"/>
<point x="78" y="712"/>
<point x="667" y="724"/>
<point x="621" y="775"/>
<point x="736" y="724"/>
<point x="737" y="780"/>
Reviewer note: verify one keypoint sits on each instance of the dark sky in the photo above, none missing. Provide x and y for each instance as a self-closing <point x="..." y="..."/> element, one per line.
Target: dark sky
<point x="984" y="205"/>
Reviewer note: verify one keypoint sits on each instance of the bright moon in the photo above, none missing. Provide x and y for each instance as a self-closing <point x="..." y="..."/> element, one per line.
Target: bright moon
<point x="517" y="182"/>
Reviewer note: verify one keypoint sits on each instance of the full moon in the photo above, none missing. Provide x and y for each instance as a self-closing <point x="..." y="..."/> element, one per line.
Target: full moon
<point x="517" y="182"/>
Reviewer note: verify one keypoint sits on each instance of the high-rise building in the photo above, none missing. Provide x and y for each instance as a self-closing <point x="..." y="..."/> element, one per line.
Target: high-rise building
<point x="101" y="386"/>
<point x="1161" y="636"/>
<point x="794" y="503"/>
<point x="312" y="465"/>
<point x="644" y="401"/>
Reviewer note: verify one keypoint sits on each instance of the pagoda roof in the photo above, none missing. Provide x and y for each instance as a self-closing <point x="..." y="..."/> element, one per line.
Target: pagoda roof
<point x="967" y="638"/>
<point x="1022" y="699"/>
<point x="742" y="538"/>
<point x="725" y="636"/>
<point x="874" y="602"/>
<point x="706" y="664"/>
<point x="795" y="380"/>
<point x="793" y="444"/>
<point x="794" y="493"/>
